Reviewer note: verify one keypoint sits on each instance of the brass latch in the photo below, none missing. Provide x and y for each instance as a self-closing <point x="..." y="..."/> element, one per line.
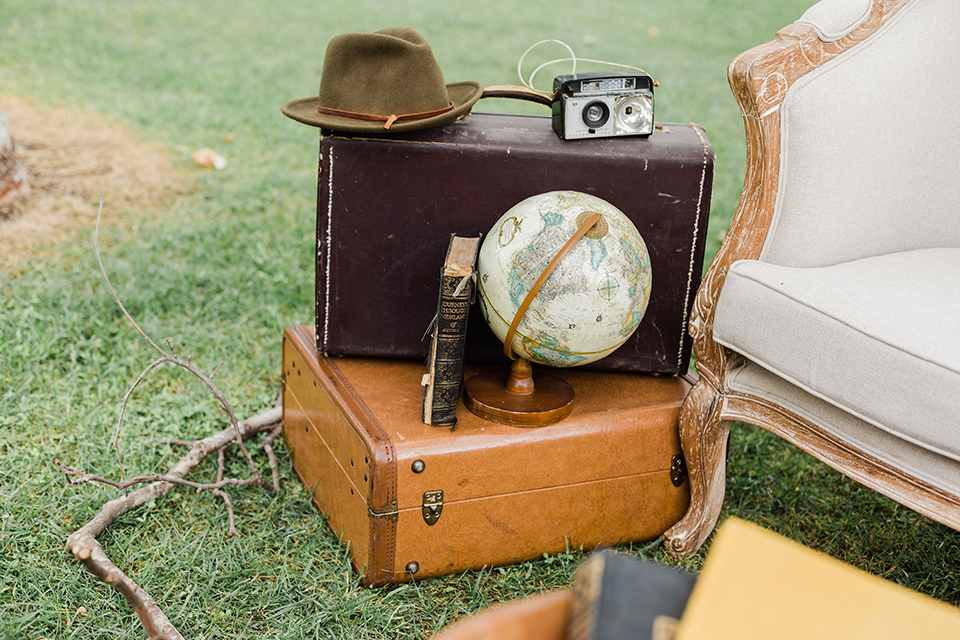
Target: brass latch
<point x="432" y="507"/>
<point x="386" y="513"/>
<point x="678" y="470"/>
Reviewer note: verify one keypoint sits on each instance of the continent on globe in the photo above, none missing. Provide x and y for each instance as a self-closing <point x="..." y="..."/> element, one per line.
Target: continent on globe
<point x="594" y="299"/>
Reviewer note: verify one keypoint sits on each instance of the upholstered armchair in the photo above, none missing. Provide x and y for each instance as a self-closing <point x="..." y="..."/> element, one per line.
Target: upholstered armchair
<point x="831" y="314"/>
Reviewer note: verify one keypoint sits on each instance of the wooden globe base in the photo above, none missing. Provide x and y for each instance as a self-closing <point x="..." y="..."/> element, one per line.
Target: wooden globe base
<point x="519" y="401"/>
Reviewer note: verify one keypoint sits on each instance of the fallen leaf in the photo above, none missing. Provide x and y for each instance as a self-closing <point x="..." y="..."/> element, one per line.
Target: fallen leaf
<point x="209" y="159"/>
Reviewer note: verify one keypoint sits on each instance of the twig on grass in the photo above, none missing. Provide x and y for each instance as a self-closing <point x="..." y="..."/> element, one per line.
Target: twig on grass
<point x="76" y="477"/>
<point x="83" y="542"/>
<point x="84" y="545"/>
<point x="123" y="407"/>
<point x="140" y="600"/>
<point x="221" y="463"/>
<point x="174" y="359"/>
<point x="268" y="448"/>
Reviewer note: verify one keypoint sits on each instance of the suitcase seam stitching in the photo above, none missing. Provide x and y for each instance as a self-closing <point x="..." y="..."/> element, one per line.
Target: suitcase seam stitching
<point x="693" y="249"/>
<point x="391" y="481"/>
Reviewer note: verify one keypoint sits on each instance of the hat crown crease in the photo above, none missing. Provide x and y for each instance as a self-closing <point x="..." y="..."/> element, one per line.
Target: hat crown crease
<point x="381" y="74"/>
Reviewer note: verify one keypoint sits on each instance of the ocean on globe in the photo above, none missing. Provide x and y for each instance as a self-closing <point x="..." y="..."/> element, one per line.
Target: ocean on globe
<point x="594" y="299"/>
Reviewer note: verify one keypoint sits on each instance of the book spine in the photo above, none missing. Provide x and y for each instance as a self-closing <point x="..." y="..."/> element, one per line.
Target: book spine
<point x="585" y="590"/>
<point x="445" y="359"/>
<point x="616" y="596"/>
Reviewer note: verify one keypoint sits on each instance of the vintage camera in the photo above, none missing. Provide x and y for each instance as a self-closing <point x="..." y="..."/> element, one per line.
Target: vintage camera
<point x="602" y="105"/>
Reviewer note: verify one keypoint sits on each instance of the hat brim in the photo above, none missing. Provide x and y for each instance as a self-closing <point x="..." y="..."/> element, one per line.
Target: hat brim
<point x="462" y="94"/>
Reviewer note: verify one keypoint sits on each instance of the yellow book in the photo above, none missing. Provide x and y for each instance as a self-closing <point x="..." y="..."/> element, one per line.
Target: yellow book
<point x="757" y="584"/>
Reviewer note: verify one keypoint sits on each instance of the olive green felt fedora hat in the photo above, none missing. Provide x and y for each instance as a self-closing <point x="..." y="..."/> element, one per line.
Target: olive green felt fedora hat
<point x="383" y="81"/>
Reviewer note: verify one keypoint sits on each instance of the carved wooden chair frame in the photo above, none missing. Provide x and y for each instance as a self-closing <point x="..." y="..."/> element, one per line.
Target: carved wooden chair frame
<point x="760" y="79"/>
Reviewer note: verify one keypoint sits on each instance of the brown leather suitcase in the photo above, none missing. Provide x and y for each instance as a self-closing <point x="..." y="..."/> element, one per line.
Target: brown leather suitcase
<point x="386" y="206"/>
<point x="419" y="501"/>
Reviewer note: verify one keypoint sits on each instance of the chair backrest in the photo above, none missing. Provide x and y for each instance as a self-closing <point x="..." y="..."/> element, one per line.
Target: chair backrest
<point x="870" y="140"/>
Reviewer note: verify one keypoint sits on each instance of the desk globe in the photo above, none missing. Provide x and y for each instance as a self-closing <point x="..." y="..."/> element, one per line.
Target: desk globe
<point x="564" y="279"/>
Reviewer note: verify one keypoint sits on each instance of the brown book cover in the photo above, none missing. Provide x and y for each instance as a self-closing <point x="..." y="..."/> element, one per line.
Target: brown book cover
<point x="386" y="206"/>
<point x="444" y="377"/>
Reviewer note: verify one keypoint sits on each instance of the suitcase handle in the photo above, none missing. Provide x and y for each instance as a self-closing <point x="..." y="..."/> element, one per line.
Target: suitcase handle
<point x="518" y="93"/>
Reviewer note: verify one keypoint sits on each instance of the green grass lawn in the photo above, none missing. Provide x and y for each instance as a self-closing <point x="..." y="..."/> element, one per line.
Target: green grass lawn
<point x="221" y="271"/>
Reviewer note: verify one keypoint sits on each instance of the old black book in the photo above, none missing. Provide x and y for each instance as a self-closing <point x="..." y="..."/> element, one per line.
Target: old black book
<point x="444" y="377"/>
<point x="616" y="597"/>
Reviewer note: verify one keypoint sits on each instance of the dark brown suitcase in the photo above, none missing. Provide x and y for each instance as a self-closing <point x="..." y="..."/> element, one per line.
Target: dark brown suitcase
<point x="419" y="501"/>
<point x="386" y="207"/>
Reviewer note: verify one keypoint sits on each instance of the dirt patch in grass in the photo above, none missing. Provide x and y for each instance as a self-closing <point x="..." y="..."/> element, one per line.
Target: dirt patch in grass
<point x="74" y="160"/>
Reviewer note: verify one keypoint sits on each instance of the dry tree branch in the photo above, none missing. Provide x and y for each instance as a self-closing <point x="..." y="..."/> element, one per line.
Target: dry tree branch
<point x="141" y="601"/>
<point x="88" y="478"/>
<point x="221" y="460"/>
<point x="268" y="448"/>
<point x="83" y="542"/>
<point x="173" y="358"/>
<point x="123" y="407"/>
<point x="96" y="249"/>
<point x="84" y="545"/>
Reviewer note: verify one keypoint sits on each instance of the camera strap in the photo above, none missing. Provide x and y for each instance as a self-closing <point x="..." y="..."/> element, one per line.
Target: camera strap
<point x="531" y="94"/>
<point x="573" y="59"/>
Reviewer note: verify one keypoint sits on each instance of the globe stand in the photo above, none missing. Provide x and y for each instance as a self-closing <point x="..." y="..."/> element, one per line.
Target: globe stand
<point x="519" y="401"/>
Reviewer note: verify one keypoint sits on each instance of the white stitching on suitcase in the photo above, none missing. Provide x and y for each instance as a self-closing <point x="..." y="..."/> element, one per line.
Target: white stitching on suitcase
<point x="693" y="251"/>
<point x="326" y="315"/>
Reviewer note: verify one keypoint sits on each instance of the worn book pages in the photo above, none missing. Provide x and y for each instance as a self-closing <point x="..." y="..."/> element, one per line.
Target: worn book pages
<point x="444" y="375"/>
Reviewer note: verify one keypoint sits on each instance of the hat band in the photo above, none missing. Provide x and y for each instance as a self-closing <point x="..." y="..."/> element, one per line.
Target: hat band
<point x="387" y="120"/>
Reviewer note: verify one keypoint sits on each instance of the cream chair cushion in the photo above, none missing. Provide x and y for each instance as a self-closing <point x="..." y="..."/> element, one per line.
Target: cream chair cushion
<point x="855" y="298"/>
<point x="877" y="337"/>
<point x="938" y="470"/>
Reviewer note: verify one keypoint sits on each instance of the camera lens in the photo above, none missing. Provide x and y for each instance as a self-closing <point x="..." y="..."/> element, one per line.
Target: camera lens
<point x="596" y="114"/>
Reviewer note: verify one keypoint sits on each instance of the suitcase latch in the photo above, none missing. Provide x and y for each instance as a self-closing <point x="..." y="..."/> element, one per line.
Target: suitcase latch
<point x="432" y="507"/>
<point x="678" y="470"/>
